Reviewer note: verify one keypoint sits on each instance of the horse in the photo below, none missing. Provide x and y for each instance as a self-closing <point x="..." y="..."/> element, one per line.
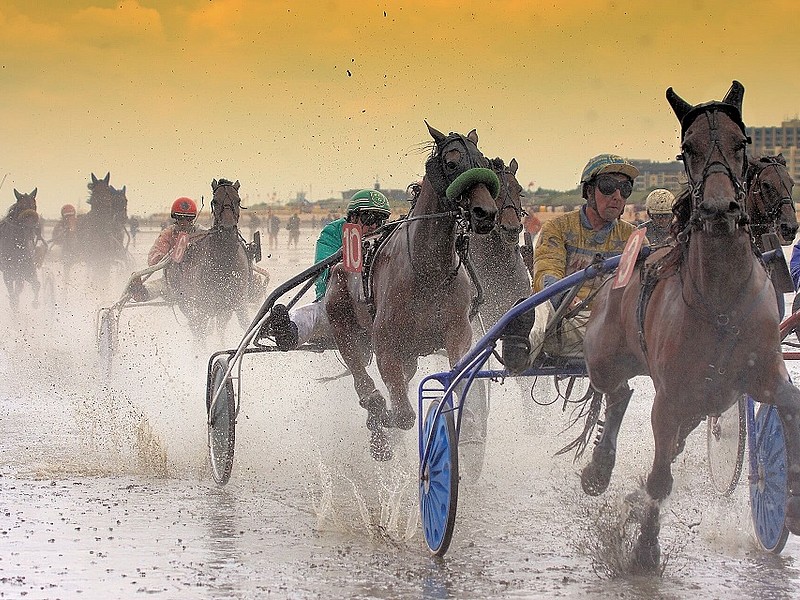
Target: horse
<point x="699" y="319"/>
<point x="20" y="233"/>
<point x="496" y="257"/>
<point x="421" y="294"/>
<point x="101" y="232"/>
<point x="213" y="278"/>
<point x="769" y="200"/>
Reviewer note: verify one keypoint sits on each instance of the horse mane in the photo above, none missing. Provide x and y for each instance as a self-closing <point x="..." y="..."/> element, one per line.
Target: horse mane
<point x="223" y="181"/>
<point x="497" y="165"/>
<point x="682" y="209"/>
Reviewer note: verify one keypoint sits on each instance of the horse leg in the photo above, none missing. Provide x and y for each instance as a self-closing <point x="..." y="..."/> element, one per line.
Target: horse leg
<point x="787" y="399"/>
<point x="345" y="328"/>
<point x="596" y="476"/>
<point x="396" y="372"/>
<point x="646" y="553"/>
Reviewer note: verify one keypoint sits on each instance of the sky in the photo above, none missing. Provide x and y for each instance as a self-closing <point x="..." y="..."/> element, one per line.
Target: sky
<point x="320" y="96"/>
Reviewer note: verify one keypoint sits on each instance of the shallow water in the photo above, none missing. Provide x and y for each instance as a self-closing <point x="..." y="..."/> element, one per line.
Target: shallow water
<point x="105" y="490"/>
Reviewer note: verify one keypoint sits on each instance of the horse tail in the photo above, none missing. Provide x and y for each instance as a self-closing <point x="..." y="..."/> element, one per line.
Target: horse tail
<point x="588" y="408"/>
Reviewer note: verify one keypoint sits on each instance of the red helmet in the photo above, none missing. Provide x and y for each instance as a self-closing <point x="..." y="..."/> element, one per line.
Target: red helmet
<point x="184" y="207"/>
<point x="68" y="210"/>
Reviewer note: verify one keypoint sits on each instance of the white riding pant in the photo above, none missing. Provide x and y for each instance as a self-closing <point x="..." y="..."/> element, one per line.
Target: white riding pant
<point x="566" y="339"/>
<point x="312" y="321"/>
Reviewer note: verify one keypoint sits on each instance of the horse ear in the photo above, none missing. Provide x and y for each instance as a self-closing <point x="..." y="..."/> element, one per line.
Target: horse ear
<point x="33" y="193"/>
<point x="94" y="179"/>
<point x="513" y="166"/>
<point x="438" y="136"/>
<point x="17" y="194"/>
<point x="780" y="158"/>
<point x="123" y="189"/>
<point x="678" y="104"/>
<point x="107" y="178"/>
<point x="473" y="136"/>
<point x="214" y="185"/>
<point x="236" y="185"/>
<point x="735" y="95"/>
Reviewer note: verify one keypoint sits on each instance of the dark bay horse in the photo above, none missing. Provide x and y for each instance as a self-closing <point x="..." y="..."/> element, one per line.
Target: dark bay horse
<point x="769" y="199"/>
<point x="20" y="234"/>
<point x="102" y="237"/>
<point x="496" y="256"/>
<point x="702" y="321"/>
<point x="421" y="293"/>
<point x="212" y="280"/>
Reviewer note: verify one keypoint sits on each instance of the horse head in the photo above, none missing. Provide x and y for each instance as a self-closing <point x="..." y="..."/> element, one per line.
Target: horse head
<point x="508" y="223"/>
<point x="460" y="174"/>
<point x="769" y="197"/>
<point x="225" y="204"/>
<point x="26" y="201"/>
<point x="713" y="144"/>
<point x="100" y="194"/>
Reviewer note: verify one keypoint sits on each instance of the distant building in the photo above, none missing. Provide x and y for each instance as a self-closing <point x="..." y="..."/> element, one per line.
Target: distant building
<point x="769" y="141"/>
<point x="392" y="195"/>
<point x="668" y="175"/>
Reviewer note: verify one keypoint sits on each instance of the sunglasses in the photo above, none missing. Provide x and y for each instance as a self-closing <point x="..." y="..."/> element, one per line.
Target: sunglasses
<point x="370" y="218"/>
<point x="607" y="186"/>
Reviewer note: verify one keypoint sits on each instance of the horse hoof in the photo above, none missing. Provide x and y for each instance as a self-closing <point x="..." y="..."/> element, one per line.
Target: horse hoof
<point x="377" y="416"/>
<point x="516" y="354"/>
<point x="792" y="519"/>
<point x="646" y="557"/>
<point x="379" y="445"/>
<point x="403" y="419"/>
<point x="596" y="476"/>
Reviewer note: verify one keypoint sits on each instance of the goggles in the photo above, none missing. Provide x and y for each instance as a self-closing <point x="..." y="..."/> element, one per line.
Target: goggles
<point x="371" y="217"/>
<point x="607" y="186"/>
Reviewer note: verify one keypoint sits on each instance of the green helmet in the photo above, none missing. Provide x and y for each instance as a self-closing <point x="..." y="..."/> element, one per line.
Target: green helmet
<point x="371" y="200"/>
<point x="608" y="163"/>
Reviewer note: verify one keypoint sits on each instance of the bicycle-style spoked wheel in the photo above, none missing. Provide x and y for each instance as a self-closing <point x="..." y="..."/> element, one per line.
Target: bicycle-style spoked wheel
<point x="474" y="413"/>
<point x="769" y="483"/>
<point x="221" y="421"/>
<point x="438" y="488"/>
<point x="725" y="441"/>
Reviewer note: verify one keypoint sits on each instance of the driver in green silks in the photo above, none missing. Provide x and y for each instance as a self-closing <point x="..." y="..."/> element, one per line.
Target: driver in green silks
<point x="296" y="327"/>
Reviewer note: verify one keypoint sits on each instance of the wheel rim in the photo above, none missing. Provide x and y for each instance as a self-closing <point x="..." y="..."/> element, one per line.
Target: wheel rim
<point x="725" y="439"/>
<point x="439" y="484"/>
<point x="769" y="484"/>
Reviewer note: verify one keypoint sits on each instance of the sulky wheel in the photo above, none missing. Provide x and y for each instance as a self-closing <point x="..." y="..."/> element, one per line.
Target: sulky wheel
<point x="474" y="412"/>
<point x="107" y="331"/>
<point x="221" y="421"/>
<point x="438" y="488"/>
<point x="725" y="441"/>
<point x="768" y="482"/>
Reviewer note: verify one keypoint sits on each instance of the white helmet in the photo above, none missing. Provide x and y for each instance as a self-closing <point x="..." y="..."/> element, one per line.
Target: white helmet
<point x="659" y="202"/>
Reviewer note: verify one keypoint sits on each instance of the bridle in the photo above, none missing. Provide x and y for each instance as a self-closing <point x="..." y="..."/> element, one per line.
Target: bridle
<point x="230" y="201"/>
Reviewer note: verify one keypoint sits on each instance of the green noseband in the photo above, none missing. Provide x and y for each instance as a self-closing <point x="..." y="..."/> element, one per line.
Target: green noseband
<point x="473" y="177"/>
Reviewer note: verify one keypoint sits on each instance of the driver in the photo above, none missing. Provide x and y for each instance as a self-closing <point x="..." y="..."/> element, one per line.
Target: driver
<point x="183" y="213"/>
<point x="566" y="245"/>
<point x="294" y="328"/>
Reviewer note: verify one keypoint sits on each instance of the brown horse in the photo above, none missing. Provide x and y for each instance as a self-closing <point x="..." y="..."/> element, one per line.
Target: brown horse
<point x="701" y="321"/>
<point x="769" y="199"/>
<point x="421" y="292"/>
<point x="213" y="278"/>
<point x="496" y="257"/>
<point x="102" y="237"/>
<point x="20" y="234"/>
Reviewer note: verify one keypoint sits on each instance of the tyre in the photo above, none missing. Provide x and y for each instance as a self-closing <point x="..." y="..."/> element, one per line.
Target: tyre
<point x="473" y="429"/>
<point x="725" y="441"/>
<point x="769" y="483"/>
<point x="221" y="421"/>
<point x="438" y="488"/>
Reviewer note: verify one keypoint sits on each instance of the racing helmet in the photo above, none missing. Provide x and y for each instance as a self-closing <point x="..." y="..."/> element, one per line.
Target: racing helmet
<point x="659" y="202"/>
<point x="184" y="207"/>
<point x="68" y="211"/>
<point x="369" y="200"/>
<point x="608" y="163"/>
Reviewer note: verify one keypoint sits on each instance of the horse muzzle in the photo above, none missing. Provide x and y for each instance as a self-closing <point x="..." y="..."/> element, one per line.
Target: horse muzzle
<point x="720" y="217"/>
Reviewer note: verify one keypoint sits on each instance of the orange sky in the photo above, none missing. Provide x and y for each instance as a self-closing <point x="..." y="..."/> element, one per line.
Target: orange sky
<point x="321" y="96"/>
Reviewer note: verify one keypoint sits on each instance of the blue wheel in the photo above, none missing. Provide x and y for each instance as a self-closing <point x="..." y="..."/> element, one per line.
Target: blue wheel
<point x="221" y="421"/>
<point x="438" y="486"/>
<point x="768" y="480"/>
